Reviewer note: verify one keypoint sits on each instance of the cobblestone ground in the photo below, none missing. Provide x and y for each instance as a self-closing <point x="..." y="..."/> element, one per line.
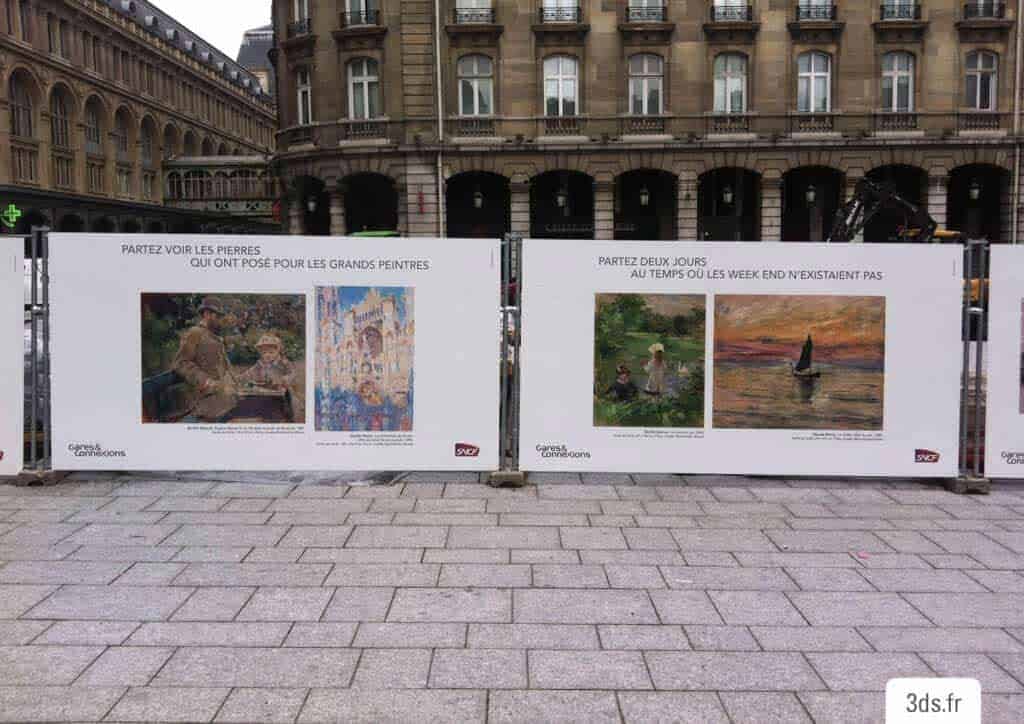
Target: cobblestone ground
<point x="604" y="598"/>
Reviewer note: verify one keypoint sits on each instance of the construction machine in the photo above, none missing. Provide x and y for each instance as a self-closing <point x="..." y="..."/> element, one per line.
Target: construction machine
<point x="870" y="197"/>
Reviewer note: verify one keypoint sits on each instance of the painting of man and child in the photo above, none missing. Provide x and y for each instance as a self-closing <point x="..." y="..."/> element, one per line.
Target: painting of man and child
<point x="364" y="359"/>
<point x="223" y="358"/>
<point x="799" y="362"/>
<point x="649" y="360"/>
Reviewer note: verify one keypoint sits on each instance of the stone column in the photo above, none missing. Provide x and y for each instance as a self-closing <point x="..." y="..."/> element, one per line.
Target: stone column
<point x="771" y="209"/>
<point x="296" y="224"/>
<point x="421" y="198"/>
<point x="937" y="195"/>
<point x="337" y="212"/>
<point x="604" y="210"/>
<point x="519" y="211"/>
<point x="686" y="211"/>
<point x="403" y="210"/>
<point x="851" y="186"/>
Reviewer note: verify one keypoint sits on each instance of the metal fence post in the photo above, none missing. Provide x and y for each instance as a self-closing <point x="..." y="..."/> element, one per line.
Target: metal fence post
<point x="508" y="422"/>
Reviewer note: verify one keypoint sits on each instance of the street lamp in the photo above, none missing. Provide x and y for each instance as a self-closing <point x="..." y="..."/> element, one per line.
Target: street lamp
<point x="645" y="196"/>
<point x="811" y="194"/>
<point x="478" y="199"/>
<point x="727" y="195"/>
<point x="562" y="200"/>
<point x="311" y="204"/>
<point x="974" y="190"/>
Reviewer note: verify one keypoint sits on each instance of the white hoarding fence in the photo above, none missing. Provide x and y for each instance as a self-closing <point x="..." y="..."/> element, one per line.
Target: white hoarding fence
<point x="18" y="304"/>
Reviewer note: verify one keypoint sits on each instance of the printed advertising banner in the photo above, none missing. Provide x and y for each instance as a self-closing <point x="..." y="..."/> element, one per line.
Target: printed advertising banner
<point x="783" y="359"/>
<point x="274" y="353"/>
<point x="12" y="375"/>
<point x="1004" y="359"/>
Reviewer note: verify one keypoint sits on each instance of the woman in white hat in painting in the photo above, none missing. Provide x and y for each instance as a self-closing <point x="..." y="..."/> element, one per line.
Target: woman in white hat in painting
<point x="655" y="369"/>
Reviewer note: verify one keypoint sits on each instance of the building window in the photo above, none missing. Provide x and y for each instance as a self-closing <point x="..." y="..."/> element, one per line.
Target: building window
<point x="646" y="80"/>
<point x="124" y="182"/>
<point x="561" y="91"/>
<point x="814" y="82"/>
<point x="65" y="40"/>
<point x="815" y="10"/>
<point x="97" y="54"/>
<point x="94" y="177"/>
<point x="93" y="130"/>
<point x="362" y="12"/>
<point x="25" y="18"/>
<point x="126" y="68"/>
<point x="982" y="69"/>
<point x="474" y="11"/>
<point x="898" y="82"/>
<point x="731" y="83"/>
<point x="51" y="33"/>
<point x="146" y="146"/>
<point x="305" y="97"/>
<point x="148" y="186"/>
<point x="60" y="125"/>
<point x="301" y="10"/>
<point x="21" y="109"/>
<point x="363" y="89"/>
<point x="560" y="11"/>
<point x="476" y="85"/>
<point x="900" y="10"/>
<point x="63" y="171"/>
<point x="121" y="136"/>
<point x="9" y="16"/>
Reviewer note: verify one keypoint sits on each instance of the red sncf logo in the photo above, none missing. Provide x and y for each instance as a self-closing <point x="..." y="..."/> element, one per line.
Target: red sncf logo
<point x="925" y="456"/>
<point x="465" y="450"/>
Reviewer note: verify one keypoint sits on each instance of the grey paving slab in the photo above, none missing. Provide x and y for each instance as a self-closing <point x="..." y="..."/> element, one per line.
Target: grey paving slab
<point x="257" y="667"/>
<point x="749" y="707"/>
<point x="532" y="506"/>
<point x="264" y="554"/>
<point x="857" y="609"/>
<point x="333" y="634"/>
<point x="999" y="581"/>
<point x="763" y="608"/>
<point x="244" y="505"/>
<point x="727" y="578"/>
<point x="634" y="577"/>
<point x="650" y="538"/>
<point x="535" y="636"/>
<point x="56" y="703"/>
<point x="410" y="635"/>
<point x="272" y="603"/>
<point x="454" y="605"/>
<point x="865" y="671"/>
<point x="187" y="504"/>
<point x="797" y="560"/>
<point x="552" y="557"/>
<point x="993" y="679"/>
<point x="685" y="607"/>
<point x="253" y="574"/>
<point x="578" y="492"/>
<point x="159" y="488"/>
<point x="600" y="538"/>
<point x="722" y="540"/>
<point x="132" y="553"/>
<point x="394" y="706"/>
<point x="16" y="599"/>
<point x="829" y="579"/>
<point x="921" y="580"/>
<point x="317" y="535"/>
<point x="216" y="518"/>
<point x="485" y="575"/>
<point x="583" y="606"/>
<point x="555" y="707"/>
<point x="250" y="490"/>
<point x="478" y="669"/>
<point x="890" y="560"/>
<point x="213" y="603"/>
<point x="363" y="555"/>
<point x="86" y="633"/>
<point x="701" y="670"/>
<point x="42" y="534"/>
<point x="844" y="708"/>
<point x="446" y="519"/>
<point x="125" y="666"/>
<point x="630" y="558"/>
<point x="544" y="537"/>
<point x="44" y="665"/>
<point x="111" y="603"/>
<point x="588" y="670"/>
<point x="908" y="541"/>
<point x="721" y="638"/>
<point x="336" y="508"/>
<point x="17" y="633"/>
<point x="970" y="609"/>
<point x="150" y="574"/>
<point x="809" y="638"/>
<point x="671" y="707"/>
<point x="641" y="637"/>
<point x="359" y="604"/>
<point x="409" y="536"/>
<point x="828" y="541"/>
<point x="213" y="554"/>
<point x="449" y="505"/>
<point x="203" y="633"/>
<point x="469" y="555"/>
<point x="876" y="525"/>
<point x="569" y="576"/>
<point x="1012" y="663"/>
<point x="384" y="574"/>
<point x="710" y="558"/>
<point x="393" y="669"/>
<point x="270" y="706"/>
<point x="146" y="704"/>
<point x="227" y="535"/>
<point x="1002" y="707"/>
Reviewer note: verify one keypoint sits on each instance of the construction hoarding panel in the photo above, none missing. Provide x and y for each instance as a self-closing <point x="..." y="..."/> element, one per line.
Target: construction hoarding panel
<point x="798" y="359"/>
<point x="1004" y="364"/>
<point x="236" y="353"/>
<point x="12" y="326"/>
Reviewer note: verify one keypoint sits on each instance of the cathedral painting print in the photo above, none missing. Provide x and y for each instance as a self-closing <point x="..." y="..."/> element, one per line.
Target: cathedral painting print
<point x="364" y="359"/>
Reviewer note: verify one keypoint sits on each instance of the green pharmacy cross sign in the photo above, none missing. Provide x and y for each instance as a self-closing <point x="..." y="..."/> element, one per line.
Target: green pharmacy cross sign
<point x="10" y="216"/>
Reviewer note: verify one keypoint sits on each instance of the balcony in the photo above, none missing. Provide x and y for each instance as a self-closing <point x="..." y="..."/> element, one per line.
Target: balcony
<point x="560" y="26"/>
<point x="300" y="27"/>
<point x="360" y="30"/>
<point x="647" y="14"/>
<point x="297" y="136"/>
<point x="299" y="39"/>
<point x="727" y="124"/>
<point x="815" y="22"/>
<point x="895" y="122"/>
<point x="355" y="18"/>
<point x="644" y="25"/>
<point x="375" y="129"/>
<point x="984" y="21"/>
<point x="899" y="22"/>
<point x="812" y="123"/>
<point x="982" y="121"/>
<point x="731" y="23"/>
<point x="474" y="127"/>
<point x="473" y="27"/>
<point x="562" y="126"/>
<point x="642" y="126"/>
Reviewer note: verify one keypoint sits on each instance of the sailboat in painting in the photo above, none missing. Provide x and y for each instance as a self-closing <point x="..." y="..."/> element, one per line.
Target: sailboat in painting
<point x="803" y="369"/>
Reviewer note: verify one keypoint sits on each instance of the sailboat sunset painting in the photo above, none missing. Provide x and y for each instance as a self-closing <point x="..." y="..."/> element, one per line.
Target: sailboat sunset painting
<point x="799" y="362"/>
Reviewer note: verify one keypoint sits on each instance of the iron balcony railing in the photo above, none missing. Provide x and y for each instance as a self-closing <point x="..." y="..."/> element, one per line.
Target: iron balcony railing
<point x="641" y="14"/>
<point x="900" y="11"/>
<point x="474" y="16"/>
<point x="562" y="126"/>
<point x="732" y="13"/>
<point x="723" y="123"/>
<point x="985" y="9"/>
<point x="561" y="15"/>
<point x="350" y="18"/>
<point x="895" y="121"/>
<point x="981" y="121"/>
<point x="815" y="11"/>
<point x="642" y="125"/>
<point x="474" y="127"/>
<point x="300" y="27"/>
<point x="812" y="123"/>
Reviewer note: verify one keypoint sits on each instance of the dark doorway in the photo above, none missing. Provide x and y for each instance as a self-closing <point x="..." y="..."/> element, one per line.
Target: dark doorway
<point x="71" y="224"/>
<point x="911" y="183"/>
<point x="155" y="227"/>
<point x="132" y="226"/>
<point x="371" y="203"/>
<point x="646" y="205"/>
<point x="562" y="205"/>
<point x="104" y="225"/>
<point x="810" y="197"/>
<point x="729" y="205"/>
<point x="311" y="195"/>
<point x="977" y="202"/>
<point x="477" y="205"/>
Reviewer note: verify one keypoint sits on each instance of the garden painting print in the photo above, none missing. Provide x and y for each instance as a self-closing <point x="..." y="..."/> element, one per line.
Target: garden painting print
<point x="799" y="362"/>
<point x="364" y="359"/>
<point x="649" y="360"/>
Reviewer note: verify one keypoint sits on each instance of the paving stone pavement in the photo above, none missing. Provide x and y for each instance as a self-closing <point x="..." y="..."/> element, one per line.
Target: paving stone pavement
<point x="618" y="598"/>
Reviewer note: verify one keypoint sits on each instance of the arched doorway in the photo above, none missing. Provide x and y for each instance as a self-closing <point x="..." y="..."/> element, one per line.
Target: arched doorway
<point x="311" y="195"/>
<point x="371" y="203"/>
<point x="562" y="205"/>
<point x="71" y="224"/>
<point x="155" y="227"/>
<point x="978" y="202"/>
<point x="810" y="197"/>
<point x="477" y="205"/>
<point x="104" y="225"/>
<point x="131" y="226"/>
<point x="729" y="205"/>
<point x="646" y="205"/>
<point x="911" y="183"/>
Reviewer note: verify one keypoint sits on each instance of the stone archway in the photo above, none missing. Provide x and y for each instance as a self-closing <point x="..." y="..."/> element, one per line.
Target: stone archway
<point x="562" y="205"/>
<point x="477" y="205"/>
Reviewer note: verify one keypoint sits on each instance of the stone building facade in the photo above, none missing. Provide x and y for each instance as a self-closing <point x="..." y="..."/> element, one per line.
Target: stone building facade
<point x="690" y="119"/>
<point x="97" y="96"/>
